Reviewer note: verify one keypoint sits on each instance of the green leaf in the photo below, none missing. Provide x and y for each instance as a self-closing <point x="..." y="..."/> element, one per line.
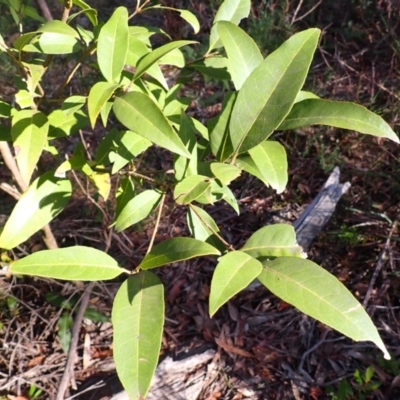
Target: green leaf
<point x="90" y="12"/>
<point x="31" y="12"/>
<point x="138" y="318"/>
<point x="5" y="109"/>
<point x="137" y="209"/>
<point x="234" y="272"/>
<point x="99" y="94"/>
<point x="64" y="324"/>
<point x="317" y="293"/>
<point x="183" y="166"/>
<point x="58" y="27"/>
<point x="226" y="173"/>
<point x="73" y="104"/>
<point x="270" y="159"/>
<point x="304" y="95"/>
<point x="112" y="45"/>
<point x="148" y="60"/>
<point x="130" y="145"/>
<point x="140" y="114"/>
<point x="69" y="303"/>
<point x="343" y="115"/>
<point x="216" y="67"/>
<point x="243" y="54"/>
<point x="44" y="199"/>
<point x="190" y="188"/>
<point x="29" y="134"/>
<point x="24" y="99"/>
<point x="176" y="249"/>
<point x="218" y="127"/>
<point x="125" y="193"/>
<point x="105" y="153"/>
<point x="65" y="124"/>
<point x="56" y="43"/>
<point x="270" y="91"/>
<point x="189" y="17"/>
<point x="77" y="263"/>
<point x="24" y="39"/>
<point x="273" y="241"/>
<point x="230" y="10"/>
<point x="202" y="227"/>
<point x="216" y="192"/>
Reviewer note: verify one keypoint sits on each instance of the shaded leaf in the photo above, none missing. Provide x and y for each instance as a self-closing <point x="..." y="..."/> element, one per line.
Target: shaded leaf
<point x="130" y="145"/>
<point x="190" y="188"/>
<point x="218" y="127"/>
<point x="176" y="249"/>
<point x="203" y="227"/>
<point x="148" y="60"/>
<point x="140" y="114"/>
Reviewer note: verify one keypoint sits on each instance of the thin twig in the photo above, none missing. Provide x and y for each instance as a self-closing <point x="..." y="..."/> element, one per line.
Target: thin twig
<point x="153" y="236"/>
<point x="12" y="165"/>
<point x="68" y="371"/>
<point x="44" y="9"/>
<point x="294" y="19"/>
<point x="297" y="11"/>
<point x="379" y="264"/>
<point x="9" y="160"/>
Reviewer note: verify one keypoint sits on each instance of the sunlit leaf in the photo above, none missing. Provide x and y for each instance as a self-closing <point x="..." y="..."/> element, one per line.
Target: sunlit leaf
<point x="77" y="263"/>
<point x="44" y="199"/>
<point x="317" y="293"/>
<point x="176" y="249"/>
<point x="234" y="272"/>
<point x="343" y="115"/>
<point x="112" y="45"/>
<point x="273" y="241"/>
<point x="29" y="133"/>
<point x="270" y="91"/>
<point x="270" y="159"/>
<point x="138" y="319"/>
<point x="99" y="94"/>
<point x="230" y="10"/>
<point x="243" y="54"/>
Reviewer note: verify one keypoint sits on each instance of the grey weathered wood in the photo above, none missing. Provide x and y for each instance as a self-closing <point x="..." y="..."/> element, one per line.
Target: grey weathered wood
<point x="177" y="380"/>
<point x="319" y="211"/>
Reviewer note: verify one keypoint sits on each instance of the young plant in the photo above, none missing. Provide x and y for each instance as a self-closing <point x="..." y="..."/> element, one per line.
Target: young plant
<point x="266" y="96"/>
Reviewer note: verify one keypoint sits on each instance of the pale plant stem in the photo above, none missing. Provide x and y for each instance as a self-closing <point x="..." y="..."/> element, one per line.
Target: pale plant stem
<point x="9" y="160"/>
<point x="153" y="236"/>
